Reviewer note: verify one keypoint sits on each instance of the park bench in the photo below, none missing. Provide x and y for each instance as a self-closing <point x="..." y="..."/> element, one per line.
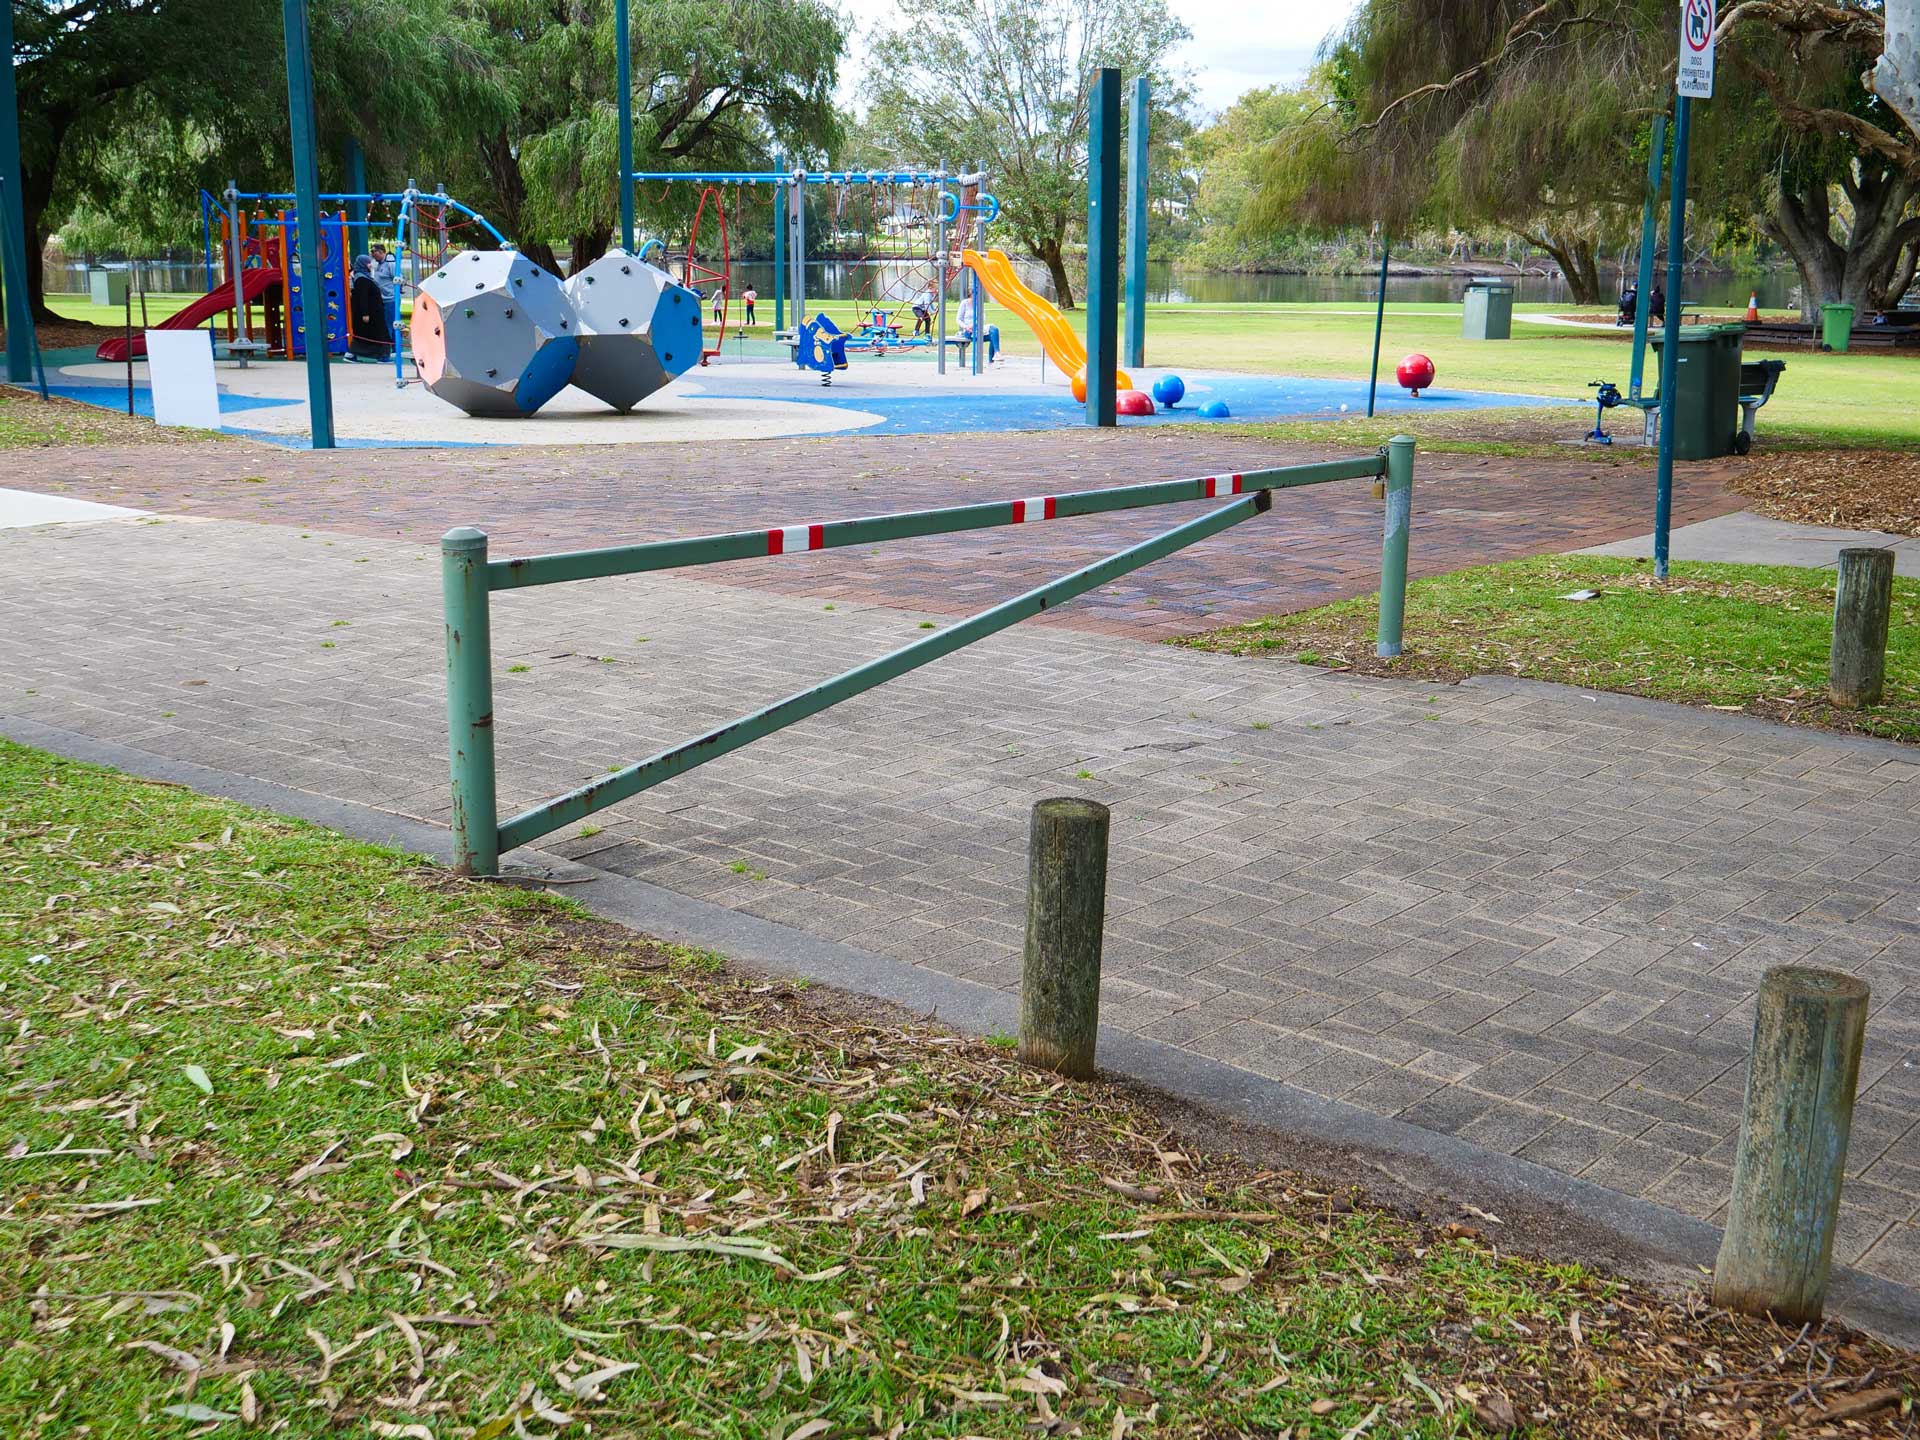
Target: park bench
<point x="1758" y="380"/>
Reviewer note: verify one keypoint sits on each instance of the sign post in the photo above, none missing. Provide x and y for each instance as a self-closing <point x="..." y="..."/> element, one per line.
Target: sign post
<point x="1693" y="80"/>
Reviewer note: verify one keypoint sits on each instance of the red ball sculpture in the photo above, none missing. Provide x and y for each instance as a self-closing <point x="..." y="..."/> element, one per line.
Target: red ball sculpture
<point x="1133" y="402"/>
<point x="1415" y="373"/>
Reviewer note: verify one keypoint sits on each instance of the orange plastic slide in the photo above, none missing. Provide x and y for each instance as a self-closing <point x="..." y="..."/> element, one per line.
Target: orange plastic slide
<point x="255" y="282"/>
<point x="1056" y="336"/>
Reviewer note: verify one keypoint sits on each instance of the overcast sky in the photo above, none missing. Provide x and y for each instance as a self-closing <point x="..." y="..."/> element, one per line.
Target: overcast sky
<point x="1231" y="52"/>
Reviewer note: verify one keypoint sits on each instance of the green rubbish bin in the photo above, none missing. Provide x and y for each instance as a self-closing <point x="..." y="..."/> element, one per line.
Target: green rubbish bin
<point x="1489" y="310"/>
<point x="1836" y="327"/>
<point x="1706" y="407"/>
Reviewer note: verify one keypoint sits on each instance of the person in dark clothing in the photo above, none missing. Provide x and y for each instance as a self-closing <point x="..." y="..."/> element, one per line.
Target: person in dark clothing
<point x="368" y="335"/>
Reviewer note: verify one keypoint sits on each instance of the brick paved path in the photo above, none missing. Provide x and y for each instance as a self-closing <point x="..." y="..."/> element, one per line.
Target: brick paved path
<point x="1318" y="545"/>
<point x="1520" y="914"/>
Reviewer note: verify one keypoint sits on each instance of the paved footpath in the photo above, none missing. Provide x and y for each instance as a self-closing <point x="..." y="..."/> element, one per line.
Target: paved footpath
<point x="1520" y="914"/>
<point x="1319" y="544"/>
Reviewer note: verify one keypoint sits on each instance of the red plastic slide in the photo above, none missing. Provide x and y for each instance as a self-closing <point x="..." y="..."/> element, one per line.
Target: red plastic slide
<point x="218" y="301"/>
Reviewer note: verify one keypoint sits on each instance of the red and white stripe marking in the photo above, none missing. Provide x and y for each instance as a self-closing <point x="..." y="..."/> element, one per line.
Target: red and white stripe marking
<point x="790" y="539"/>
<point x="1217" y="485"/>
<point x="1039" y="507"/>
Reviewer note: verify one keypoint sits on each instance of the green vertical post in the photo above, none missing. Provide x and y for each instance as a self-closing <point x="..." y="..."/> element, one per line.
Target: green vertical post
<point x="306" y="186"/>
<point x="1103" y="247"/>
<point x="464" y="599"/>
<point x="21" y="350"/>
<point x="1670" y="350"/>
<point x="356" y="159"/>
<point x="1393" y="545"/>
<point x="623" y="70"/>
<point x="1649" y="236"/>
<point x="1379" y="322"/>
<point x="780" y="251"/>
<point x="1137" y="136"/>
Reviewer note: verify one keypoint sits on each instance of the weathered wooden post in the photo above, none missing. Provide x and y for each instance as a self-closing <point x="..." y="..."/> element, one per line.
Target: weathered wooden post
<point x="1066" y="915"/>
<point x="1792" y="1157"/>
<point x="1862" y="602"/>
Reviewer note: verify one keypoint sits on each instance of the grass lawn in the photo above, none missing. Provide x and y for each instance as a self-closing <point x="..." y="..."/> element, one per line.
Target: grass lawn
<point x="1856" y="399"/>
<point x="306" y="1137"/>
<point x="1732" y="637"/>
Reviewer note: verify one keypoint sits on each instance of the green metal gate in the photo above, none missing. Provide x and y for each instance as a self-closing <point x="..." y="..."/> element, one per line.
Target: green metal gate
<point x="469" y="579"/>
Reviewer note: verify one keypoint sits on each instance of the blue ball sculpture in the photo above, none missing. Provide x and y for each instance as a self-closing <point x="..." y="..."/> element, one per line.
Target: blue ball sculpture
<point x="1215" y="410"/>
<point x="1168" y="390"/>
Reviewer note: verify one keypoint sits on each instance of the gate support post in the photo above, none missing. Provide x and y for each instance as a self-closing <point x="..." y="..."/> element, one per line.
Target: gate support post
<point x="476" y="821"/>
<point x="1393" y="545"/>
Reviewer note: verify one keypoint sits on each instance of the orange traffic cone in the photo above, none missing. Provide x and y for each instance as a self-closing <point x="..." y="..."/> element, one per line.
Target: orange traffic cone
<point x="1752" y="316"/>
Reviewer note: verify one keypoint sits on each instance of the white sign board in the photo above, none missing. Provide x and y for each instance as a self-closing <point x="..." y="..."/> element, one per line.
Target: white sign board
<point x="1696" y="49"/>
<point x="180" y="369"/>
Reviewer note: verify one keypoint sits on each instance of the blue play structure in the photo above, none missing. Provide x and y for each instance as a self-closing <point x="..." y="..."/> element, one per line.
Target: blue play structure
<point x="1168" y="391"/>
<point x="822" y="346"/>
<point x="333" y="282"/>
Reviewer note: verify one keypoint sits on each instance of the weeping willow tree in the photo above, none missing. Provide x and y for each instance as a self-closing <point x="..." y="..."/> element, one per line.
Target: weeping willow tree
<point x="1459" y="112"/>
<point x="717" y="84"/>
<point x="1535" y="115"/>
<point x="127" y="110"/>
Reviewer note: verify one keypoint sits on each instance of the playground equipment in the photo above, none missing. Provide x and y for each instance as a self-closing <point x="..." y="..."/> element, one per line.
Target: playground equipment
<point x="469" y="578"/>
<point x="636" y="329"/>
<point x="1169" y="391"/>
<point x="1215" y="410"/>
<point x="1606" y="395"/>
<point x="1415" y="373"/>
<point x="1133" y="402"/>
<point x="1064" y="348"/>
<point x="493" y="333"/>
<point x="822" y="346"/>
<point x="891" y="278"/>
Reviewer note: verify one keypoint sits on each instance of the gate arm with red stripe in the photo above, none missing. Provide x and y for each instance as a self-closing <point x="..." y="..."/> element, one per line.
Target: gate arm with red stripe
<point x="469" y="578"/>
<point x="907" y="525"/>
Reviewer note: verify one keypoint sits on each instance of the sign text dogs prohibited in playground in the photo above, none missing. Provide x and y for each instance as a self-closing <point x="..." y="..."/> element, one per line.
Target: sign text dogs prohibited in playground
<point x="1696" y="49"/>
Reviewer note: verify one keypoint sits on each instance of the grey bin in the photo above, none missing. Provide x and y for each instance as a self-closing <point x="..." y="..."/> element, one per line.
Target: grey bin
<point x="107" y="287"/>
<point x="1489" y="310"/>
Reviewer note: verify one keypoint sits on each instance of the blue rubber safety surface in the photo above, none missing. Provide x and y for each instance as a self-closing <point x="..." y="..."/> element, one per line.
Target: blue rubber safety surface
<point x="1248" y="397"/>
<point x="114" y="397"/>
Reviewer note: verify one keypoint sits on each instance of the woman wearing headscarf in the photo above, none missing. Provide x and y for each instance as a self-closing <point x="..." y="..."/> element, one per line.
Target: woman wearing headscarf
<point x="367" y="335"/>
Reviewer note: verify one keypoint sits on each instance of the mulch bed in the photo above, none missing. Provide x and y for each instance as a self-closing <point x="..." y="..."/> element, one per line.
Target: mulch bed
<point x="1846" y="489"/>
<point x="63" y="334"/>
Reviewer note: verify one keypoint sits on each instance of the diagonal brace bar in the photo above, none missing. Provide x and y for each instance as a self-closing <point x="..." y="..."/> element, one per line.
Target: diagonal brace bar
<point x="907" y="524"/>
<point x="577" y="804"/>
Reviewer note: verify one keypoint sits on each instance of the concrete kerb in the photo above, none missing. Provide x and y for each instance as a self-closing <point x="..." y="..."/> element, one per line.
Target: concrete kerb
<point x="1650" y="1237"/>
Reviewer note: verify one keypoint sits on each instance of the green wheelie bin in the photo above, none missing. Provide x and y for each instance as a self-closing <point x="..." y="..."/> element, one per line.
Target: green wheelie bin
<point x="1706" y="412"/>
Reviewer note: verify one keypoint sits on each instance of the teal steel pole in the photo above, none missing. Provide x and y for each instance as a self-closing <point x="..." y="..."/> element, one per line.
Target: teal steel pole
<point x="1393" y="545"/>
<point x="1103" y="247"/>
<point x="306" y="185"/>
<point x="1379" y="321"/>
<point x="623" y="69"/>
<point x="465" y="599"/>
<point x="1137" y="136"/>
<point x="1670" y="348"/>
<point x="1649" y="236"/>
<point x="780" y="253"/>
<point x="21" y="349"/>
<point x="357" y="187"/>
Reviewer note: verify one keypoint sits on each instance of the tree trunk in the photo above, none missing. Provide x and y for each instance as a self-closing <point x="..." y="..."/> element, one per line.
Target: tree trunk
<point x="1866" y="265"/>
<point x="1053" y="255"/>
<point x="587" y="247"/>
<point x="541" y="254"/>
<point x="1578" y="261"/>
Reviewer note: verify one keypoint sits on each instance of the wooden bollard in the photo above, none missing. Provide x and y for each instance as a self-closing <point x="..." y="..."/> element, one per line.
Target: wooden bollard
<point x="1862" y="601"/>
<point x="1792" y="1156"/>
<point x="1066" y="915"/>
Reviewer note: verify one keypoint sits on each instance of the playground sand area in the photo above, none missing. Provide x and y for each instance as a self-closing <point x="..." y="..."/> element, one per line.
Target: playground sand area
<point x="751" y="397"/>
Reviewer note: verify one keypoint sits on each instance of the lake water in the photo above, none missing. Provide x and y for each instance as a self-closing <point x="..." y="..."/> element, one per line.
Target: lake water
<point x="842" y="280"/>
